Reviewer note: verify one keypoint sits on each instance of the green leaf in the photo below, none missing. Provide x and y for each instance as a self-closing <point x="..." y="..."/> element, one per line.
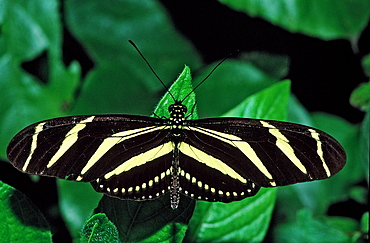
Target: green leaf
<point x="365" y="223"/>
<point x="228" y="222"/>
<point x="20" y="220"/>
<point x="240" y="221"/>
<point x="360" y="97"/>
<point x="144" y="220"/>
<point x="178" y="91"/>
<point x="271" y="103"/>
<point x="324" y="19"/>
<point x="99" y="229"/>
<point x="359" y="194"/>
<point x="154" y="219"/>
<point x="37" y="27"/>
<point x="120" y="74"/>
<point x="307" y="228"/>
<point x="169" y="233"/>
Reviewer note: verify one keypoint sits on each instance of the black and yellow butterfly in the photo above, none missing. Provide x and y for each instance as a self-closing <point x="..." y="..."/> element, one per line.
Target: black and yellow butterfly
<point x="140" y="158"/>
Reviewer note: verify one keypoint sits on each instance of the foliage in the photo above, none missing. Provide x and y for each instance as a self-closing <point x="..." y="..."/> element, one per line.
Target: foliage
<point x="120" y="82"/>
<point x="20" y="220"/>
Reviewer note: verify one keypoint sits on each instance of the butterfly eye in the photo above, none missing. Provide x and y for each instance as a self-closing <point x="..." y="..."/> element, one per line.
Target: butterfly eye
<point x="171" y="108"/>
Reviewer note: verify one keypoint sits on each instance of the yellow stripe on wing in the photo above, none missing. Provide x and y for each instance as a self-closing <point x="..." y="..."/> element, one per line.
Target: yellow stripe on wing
<point x="283" y="144"/>
<point x="237" y="142"/>
<point x="141" y="159"/>
<point x="111" y="141"/>
<point x="210" y="161"/>
<point x="38" y="129"/>
<point x="70" y="138"/>
<point x="319" y="151"/>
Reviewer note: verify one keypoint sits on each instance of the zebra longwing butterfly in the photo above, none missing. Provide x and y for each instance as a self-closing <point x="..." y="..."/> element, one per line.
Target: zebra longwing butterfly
<point x="140" y="158"/>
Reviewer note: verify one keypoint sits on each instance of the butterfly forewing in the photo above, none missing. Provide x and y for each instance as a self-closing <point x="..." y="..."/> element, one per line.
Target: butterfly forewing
<point x="270" y="153"/>
<point x="110" y="151"/>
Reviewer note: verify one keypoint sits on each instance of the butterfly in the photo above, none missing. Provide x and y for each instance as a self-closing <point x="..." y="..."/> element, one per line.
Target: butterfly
<point x="141" y="158"/>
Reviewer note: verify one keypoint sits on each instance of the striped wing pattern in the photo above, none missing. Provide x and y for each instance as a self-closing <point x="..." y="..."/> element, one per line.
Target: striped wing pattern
<point x="269" y="153"/>
<point x="135" y="157"/>
<point x="87" y="148"/>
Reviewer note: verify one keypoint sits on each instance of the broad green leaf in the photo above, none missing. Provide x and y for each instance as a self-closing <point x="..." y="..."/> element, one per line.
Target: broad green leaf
<point x="99" y="229"/>
<point x="359" y="194"/>
<point x="169" y="233"/>
<point x="324" y="19"/>
<point x="37" y="25"/>
<point x="146" y="220"/>
<point x="246" y="220"/>
<point x="240" y="221"/>
<point x="268" y="104"/>
<point x="307" y="228"/>
<point x="121" y="75"/>
<point x="20" y="220"/>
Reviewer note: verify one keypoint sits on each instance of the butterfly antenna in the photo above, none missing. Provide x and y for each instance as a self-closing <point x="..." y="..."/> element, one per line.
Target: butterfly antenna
<point x="207" y="76"/>
<point x="147" y="63"/>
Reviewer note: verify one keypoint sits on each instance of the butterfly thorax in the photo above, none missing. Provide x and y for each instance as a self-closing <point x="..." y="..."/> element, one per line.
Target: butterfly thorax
<point x="177" y="113"/>
<point x="177" y="118"/>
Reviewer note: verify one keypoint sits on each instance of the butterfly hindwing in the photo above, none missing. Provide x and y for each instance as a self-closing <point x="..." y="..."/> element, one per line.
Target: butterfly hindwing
<point x="143" y="182"/>
<point x="201" y="181"/>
